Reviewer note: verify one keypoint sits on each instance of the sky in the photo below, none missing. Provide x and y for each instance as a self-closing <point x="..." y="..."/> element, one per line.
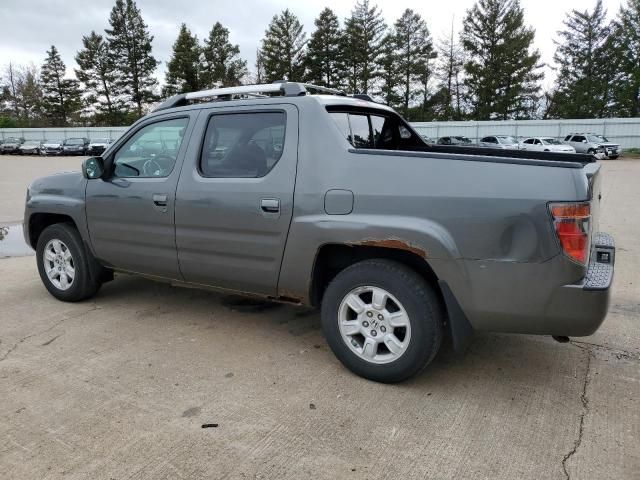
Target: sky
<point x="30" y="27"/>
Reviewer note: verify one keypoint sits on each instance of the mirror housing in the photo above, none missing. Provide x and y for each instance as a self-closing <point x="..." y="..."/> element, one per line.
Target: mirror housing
<point x="93" y="167"/>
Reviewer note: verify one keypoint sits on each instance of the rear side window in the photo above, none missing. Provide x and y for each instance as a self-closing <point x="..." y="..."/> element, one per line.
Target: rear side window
<point x="567" y="138"/>
<point x="360" y="132"/>
<point x="369" y="130"/>
<point x="242" y="145"/>
<point x="578" y="138"/>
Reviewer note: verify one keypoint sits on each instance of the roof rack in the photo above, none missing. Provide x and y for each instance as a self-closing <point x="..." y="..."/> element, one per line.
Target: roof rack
<point x="284" y="88"/>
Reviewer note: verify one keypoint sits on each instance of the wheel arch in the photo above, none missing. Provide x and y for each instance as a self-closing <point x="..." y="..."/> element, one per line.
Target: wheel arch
<point x="40" y="220"/>
<point x="332" y="258"/>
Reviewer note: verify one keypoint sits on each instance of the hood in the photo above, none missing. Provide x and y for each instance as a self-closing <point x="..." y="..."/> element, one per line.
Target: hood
<point x="608" y="144"/>
<point x="98" y="144"/>
<point x="29" y="146"/>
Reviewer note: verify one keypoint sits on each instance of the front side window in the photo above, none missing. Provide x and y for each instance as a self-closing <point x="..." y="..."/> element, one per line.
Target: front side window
<point x="528" y="141"/>
<point x="152" y="151"/>
<point x="578" y="138"/>
<point x="242" y="145"/>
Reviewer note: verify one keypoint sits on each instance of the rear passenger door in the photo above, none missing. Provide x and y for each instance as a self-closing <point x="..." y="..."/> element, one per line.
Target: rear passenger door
<point x="235" y="197"/>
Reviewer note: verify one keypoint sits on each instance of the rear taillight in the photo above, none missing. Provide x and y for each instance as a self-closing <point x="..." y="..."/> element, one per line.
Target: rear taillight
<point x="572" y="222"/>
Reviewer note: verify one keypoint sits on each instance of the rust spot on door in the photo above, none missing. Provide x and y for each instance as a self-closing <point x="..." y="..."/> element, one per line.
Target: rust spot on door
<point x="395" y="243"/>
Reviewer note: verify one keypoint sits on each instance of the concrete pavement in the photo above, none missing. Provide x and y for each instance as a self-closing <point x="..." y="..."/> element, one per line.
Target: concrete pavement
<point x="120" y="387"/>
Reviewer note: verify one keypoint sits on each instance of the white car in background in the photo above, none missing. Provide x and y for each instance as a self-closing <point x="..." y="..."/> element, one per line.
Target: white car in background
<point x="505" y="142"/>
<point x="545" y="144"/>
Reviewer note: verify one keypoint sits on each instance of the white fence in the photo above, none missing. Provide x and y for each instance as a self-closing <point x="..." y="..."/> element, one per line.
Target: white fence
<point x="625" y="131"/>
<point x="62" y="133"/>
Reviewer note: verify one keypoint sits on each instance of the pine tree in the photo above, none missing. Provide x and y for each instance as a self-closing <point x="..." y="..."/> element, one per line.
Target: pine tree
<point x="130" y="43"/>
<point x="502" y="68"/>
<point x="61" y="96"/>
<point x="364" y="32"/>
<point x="389" y="74"/>
<point x="325" y="61"/>
<point x="260" y="75"/>
<point x="626" y="38"/>
<point x="97" y="77"/>
<point x="448" y="72"/>
<point x="582" y="55"/>
<point x="414" y="49"/>
<point x="222" y="63"/>
<point x="183" y="69"/>
<point x="282" y="49"/>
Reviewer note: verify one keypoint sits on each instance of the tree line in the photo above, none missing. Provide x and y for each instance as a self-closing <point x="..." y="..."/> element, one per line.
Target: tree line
<point x="488" y="70"/>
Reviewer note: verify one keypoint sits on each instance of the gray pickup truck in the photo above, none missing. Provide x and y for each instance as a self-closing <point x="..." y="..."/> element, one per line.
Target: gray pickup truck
<point x="334" y="201"/>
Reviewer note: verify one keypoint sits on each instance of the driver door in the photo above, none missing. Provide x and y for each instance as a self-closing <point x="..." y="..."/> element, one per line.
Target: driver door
<point x="130" y="213"/>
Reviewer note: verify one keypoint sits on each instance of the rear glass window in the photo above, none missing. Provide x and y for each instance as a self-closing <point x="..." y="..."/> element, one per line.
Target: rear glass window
<point x="360" y="133"/>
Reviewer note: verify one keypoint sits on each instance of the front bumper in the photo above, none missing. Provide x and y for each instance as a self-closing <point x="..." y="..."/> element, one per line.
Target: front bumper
<point x="581" y="308"/>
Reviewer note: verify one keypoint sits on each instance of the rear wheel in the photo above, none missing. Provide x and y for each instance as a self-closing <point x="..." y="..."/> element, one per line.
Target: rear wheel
<point x="382" y="320"/>
<point x="66" y="268"/>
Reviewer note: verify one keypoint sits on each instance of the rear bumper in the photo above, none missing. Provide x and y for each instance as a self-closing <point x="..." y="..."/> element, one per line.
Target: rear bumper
<point x="579" y="309"/>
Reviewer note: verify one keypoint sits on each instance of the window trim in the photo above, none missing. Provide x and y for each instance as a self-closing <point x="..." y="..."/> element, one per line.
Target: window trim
<point x="241" y="112"/>
<point x="124" y="139"/>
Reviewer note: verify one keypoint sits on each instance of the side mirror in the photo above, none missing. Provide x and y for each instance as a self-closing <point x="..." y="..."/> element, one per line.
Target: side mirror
<point x="93" y="167"/>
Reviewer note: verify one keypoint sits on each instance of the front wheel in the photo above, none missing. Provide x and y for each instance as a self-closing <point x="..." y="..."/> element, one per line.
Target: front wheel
<point x="64" y="264"/>
<point x="382" y="320"/>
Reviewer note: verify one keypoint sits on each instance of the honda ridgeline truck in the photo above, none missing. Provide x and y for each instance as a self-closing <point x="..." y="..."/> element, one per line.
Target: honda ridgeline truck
<point x="334" y="201"/>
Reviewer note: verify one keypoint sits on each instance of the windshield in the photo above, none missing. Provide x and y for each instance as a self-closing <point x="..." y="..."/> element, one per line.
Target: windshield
<point x="507" y="139"/>
<point x="551" y="141"/>
<point x="74" y="141"/>
<point x="597" y="138"/>
<point x="28" y="143"/>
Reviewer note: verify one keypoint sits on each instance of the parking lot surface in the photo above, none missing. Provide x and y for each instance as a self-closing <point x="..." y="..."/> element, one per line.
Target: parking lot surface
<point x="120" y="387"/>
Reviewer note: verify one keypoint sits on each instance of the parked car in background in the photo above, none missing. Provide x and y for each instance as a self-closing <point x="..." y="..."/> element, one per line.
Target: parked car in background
<point x="98" y="145"/>
<point x="428" y="140"/>
<point x="593" y="143"/>
<point x="12" y="145"/>
<point x="31" y="147"/>
<point x="545" y="144"/>
<point x="52" y="147"/>
<point x="454" y="140"/>
<point x="505" y="142"/>
<point x="75" y="146"/>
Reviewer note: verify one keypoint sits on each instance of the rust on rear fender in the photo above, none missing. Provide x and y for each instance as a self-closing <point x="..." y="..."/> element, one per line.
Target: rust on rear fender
<point x="395" y="243"/>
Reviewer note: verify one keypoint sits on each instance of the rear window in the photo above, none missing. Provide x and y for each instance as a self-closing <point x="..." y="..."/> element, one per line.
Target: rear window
<point x="373" y="130"/>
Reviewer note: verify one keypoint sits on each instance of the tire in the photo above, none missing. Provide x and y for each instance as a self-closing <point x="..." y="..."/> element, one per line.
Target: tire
<point x="591" y="151"/>
<point x="86" y="279"/>
<point x="407" y="292"/>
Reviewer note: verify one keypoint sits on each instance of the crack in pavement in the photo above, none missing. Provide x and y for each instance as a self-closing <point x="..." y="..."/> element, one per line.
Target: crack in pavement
<point x="59" y="322"/>
<point x="619" y="352"/>
<point x="585" y="409"/>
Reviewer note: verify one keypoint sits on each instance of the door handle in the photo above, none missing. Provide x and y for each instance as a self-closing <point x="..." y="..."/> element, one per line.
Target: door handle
<point x="270" y="205"/>
<point x="159" y="200"/>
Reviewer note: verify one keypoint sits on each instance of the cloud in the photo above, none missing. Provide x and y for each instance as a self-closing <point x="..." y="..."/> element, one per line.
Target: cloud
<point x="30" y="27"/>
